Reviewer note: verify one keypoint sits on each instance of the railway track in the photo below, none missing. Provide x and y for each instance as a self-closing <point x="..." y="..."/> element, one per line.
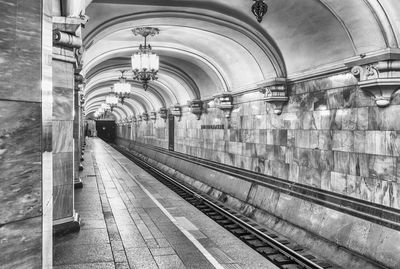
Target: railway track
<point x="274" y="247"/>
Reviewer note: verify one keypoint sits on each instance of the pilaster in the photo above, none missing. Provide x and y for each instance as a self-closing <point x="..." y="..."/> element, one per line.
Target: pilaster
<point x="66" y="154"/>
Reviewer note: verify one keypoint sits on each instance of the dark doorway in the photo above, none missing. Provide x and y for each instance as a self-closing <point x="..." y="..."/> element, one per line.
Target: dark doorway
<point x="171" y="132"/>
<point x="106" y="130"/>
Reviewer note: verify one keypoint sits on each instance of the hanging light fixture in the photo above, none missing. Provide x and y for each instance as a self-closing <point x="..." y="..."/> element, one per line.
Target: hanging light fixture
<point x="122" y="89"/>
<point x="145" y="63"/>
<point x="259" y="9"/>
<point x="112" y="100"/>
<point x="105" y="107"/>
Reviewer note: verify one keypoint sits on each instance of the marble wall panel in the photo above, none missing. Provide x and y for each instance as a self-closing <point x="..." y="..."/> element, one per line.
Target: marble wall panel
<point x="21" y="40"/>
<point x="21" y="244"/>
<point x="63" y="75"/>
<point x="328" y="135"/>
<point x="62" y="201"/>
<point x="362" y="118"/>
<point x="62" y="168"/>
<point x="382" y="168"/>
<point x="63" y="107"/>
<point x="62" y="136"/>
<point x="384" y="119"/>
<point x="20" y="161"/>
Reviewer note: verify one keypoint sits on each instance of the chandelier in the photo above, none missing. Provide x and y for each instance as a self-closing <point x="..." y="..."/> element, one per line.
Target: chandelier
<point x="145" y="63"/>
<point x="122" y="89"/>
<point x="105" y="107"/>
<point x="112" y="100"/>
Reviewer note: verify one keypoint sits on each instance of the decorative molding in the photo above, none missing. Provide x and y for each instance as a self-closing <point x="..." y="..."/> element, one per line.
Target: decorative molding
<point x="224" y="102"/>
<point x="196" y="107"/>
<point x="275" y="93"/>
<point x="176" y="111"/>
<point x="145" y="117"/>
<point x="134" y="120"/>
<point x="163" y="112"/>
<point x="378" y="75"/>
<point x="153" y="116"/>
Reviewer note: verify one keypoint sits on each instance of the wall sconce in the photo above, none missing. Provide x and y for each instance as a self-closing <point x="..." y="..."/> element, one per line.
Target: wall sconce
<point x="275" y="93"/>
<point x="225" y="103"/>
<point x="196" y="107"/>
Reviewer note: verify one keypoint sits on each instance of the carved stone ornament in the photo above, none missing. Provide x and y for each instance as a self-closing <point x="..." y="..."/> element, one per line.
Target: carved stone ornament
<point x="259" y="9"/>
<point x="225" y="103"/>
<point x="153" y="116"/>
<point x="145" y="116"/>
<point x="139" y="119"/>
<point x="66" y="39"/>
<point x="380" y="79"/>
<point x="176" y="111"/>
<point x="196" y="107"/>
<point x="163" y="112"/>
<point x="275" y="93"/>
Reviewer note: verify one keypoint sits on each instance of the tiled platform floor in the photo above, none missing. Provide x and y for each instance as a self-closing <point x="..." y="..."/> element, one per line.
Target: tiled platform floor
<point x="123" y="227"/>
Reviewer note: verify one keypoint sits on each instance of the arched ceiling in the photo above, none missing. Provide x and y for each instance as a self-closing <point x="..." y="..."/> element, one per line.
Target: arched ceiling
<point x="208" y="47"/>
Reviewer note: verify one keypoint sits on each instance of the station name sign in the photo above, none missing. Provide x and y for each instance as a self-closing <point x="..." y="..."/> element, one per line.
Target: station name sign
<point x="218" y="126"/>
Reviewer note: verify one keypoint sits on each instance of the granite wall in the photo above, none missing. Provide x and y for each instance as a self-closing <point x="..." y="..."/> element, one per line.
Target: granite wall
<point x="25" y="91"/>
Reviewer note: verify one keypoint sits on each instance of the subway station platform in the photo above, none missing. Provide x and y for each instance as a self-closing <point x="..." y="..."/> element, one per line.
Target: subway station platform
<point x="130" y="220"/>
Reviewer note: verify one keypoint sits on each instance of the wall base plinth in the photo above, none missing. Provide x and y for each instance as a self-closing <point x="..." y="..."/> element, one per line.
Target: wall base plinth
<point x="67" y="225"/>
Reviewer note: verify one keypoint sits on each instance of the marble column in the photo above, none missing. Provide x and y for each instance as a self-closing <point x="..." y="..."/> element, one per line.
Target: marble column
<point x="65" y="219"/>
<point x="25" y="132"/>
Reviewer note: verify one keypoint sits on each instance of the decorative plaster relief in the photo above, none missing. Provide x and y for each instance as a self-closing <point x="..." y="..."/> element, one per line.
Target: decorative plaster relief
<point x="275" y="93"/>
<point x="196" y="107"/>
<point x="163" y="112"/>
<point x="380" y="79"/>
<point x="224" y="102"/>
<point x="176" y="111"/>
<point x="378" y="74"/>
<point x="153" y="116"/>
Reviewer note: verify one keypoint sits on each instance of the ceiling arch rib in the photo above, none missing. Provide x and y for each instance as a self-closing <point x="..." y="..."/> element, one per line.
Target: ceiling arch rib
<point x="136" y="98"/>
<point x="166" y="95"/>
<point x="243" y="31"/>
<point x="96" y="104"/>
<point x="187" y="59"/>
<point x="308" y="35"/>
<point x="92" y="110"/>
<point x="150" y="101"/>
<point x="166" y="70"/>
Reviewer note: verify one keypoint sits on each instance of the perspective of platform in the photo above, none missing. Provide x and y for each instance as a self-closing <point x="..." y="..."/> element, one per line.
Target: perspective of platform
<point x="284" y="113"/>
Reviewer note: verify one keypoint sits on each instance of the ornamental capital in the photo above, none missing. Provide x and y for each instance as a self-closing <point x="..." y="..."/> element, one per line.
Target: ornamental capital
<point x="380" y="79"/>
<point x="378" y="74"/>
<point x="275" y="92"/>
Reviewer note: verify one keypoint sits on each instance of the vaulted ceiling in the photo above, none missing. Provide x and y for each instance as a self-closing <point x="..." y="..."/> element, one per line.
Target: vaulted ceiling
<point x="207" y="47"/>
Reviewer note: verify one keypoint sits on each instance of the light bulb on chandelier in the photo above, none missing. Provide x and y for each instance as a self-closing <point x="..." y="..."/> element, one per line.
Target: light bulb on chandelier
<point x="112" y="99"/>
<point x="122" y="89"/>
<point x="145" y="63"/>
